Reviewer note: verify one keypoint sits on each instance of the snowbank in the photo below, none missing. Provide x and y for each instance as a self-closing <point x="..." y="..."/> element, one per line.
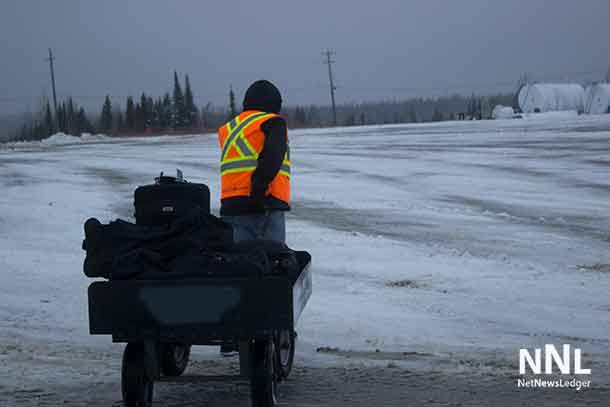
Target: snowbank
<point x="502" y="112"/>
<point x="60" y="139"/>
<point x="548" y="97"/>
<point x="57" y="139"/>
<point x="552" y="116"/>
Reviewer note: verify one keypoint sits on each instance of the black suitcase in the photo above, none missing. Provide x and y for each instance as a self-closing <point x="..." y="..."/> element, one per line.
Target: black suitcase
<point x="169" y="199"/>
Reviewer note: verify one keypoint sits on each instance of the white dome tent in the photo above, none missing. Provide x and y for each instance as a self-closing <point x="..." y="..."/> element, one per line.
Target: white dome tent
<point x="597" y="99"/>
<point x="549" y="97"/>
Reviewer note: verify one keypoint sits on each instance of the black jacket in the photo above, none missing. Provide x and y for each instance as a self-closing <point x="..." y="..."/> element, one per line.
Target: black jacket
<point x="263" y="96"/>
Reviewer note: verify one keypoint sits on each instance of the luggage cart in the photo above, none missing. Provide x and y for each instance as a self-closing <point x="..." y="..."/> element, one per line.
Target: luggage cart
<point x="161" y="320"/>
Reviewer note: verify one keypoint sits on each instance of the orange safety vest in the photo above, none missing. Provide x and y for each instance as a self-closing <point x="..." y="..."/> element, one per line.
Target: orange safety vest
<point x="241" y="141"/>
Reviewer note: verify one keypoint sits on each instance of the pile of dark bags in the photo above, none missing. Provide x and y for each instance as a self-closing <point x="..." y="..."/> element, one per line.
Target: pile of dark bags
<point x="198" y="245"/>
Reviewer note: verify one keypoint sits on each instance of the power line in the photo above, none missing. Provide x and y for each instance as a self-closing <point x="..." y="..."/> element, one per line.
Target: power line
<point x="329" y="61"/>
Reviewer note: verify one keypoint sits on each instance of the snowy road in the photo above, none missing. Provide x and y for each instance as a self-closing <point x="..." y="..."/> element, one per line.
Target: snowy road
<point x="438" y="249"/>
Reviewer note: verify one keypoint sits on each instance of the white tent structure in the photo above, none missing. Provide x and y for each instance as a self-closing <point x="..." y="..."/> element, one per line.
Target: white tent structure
<point x="597" y="98"/>
<point x="549" y="97"/>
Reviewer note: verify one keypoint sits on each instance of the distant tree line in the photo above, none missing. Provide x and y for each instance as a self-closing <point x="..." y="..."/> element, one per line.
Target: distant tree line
<point x="71" y="119"/>
<point x="175" y="112"/>
<point x="414" y="110"/>
<point x="178" y="112"/>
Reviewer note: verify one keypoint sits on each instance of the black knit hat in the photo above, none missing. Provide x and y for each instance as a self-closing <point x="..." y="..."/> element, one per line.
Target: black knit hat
<point x="263" y="95"/>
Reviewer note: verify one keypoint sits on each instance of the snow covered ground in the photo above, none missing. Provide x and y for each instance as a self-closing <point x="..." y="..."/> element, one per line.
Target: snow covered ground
<point x="437" y="247"/>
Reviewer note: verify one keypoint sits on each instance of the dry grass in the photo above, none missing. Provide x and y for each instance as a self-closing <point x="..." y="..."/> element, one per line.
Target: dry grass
<point x="403" y="284"/>
<point x="597" y="267"/>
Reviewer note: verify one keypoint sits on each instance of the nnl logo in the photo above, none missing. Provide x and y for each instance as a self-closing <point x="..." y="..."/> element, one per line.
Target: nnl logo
<point x="551" y="356"/>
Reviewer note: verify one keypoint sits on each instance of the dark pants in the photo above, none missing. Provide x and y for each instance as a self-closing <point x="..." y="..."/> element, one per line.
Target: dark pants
<point x="270" y="225"/>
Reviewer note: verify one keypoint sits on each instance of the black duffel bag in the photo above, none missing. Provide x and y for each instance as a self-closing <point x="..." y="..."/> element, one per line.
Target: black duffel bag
<point x="122" y="250"/>
<point x="280" y="259"/>
<point x="169" y="199"/>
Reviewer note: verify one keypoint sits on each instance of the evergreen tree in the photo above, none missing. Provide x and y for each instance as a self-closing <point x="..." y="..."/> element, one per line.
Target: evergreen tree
<point x="143" y="113"/>
<point x="190" y="109"/>
<point x="64" y="118"/>
<point x="437" y="116"/>
<point x="130" y="114"/>
<point x="178" y="119"/>
<point x="314" y="115"/>
<point x="475" y="107"/>
<point x="48" y="119"/>
<point x="106" y="118"/>
<point x="206" y="115"/>
<point x="300" y="116"/>
<point x="83" y="124"/>
<point x="61" y="121"/>
<point x="350" y="120"/>
<point x="150" y="111"/>
<point x="157" y="112"/>
<point x="140" y="124"/>
<point x="24" y="134"/>
<point x="71" y="117"/>
<point x="119" y="123"/>
<point x="232" y="108"/>
<point x="166" y="118"/>
<point x="412" y="115"/>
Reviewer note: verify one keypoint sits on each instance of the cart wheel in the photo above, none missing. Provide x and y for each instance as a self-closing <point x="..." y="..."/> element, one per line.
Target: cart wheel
<point x="263" y="383"/>
<point x="285" y="344"/>
<point x="174" y="359"/>
<point x="136" y="386"/>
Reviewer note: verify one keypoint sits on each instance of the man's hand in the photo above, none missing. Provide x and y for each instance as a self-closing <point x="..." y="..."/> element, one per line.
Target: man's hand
<point x="257" y="205"/>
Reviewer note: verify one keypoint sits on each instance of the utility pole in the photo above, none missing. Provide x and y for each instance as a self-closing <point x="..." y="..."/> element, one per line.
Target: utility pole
<point x="328" y="54"/>
<point x="51" y="59"/>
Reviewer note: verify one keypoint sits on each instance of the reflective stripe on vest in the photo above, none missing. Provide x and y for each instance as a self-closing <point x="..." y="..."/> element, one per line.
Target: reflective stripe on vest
<point x="236" y="132"/>
<point x="248" y="155"/>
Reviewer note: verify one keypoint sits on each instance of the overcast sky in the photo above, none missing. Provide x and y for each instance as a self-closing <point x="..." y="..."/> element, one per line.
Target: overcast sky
<point x="385" y="48"/>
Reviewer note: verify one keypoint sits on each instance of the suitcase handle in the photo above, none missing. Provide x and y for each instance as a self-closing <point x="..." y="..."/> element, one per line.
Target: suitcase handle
<point x="166" y="179"/>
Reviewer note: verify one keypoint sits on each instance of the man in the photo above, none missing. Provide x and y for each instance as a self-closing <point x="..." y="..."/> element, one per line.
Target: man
<point x="255" y="171"/>
<point x="255" y="167"/>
